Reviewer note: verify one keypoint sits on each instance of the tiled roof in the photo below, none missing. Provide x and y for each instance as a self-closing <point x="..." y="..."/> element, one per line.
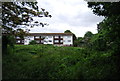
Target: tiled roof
<point x="37" y="34"/>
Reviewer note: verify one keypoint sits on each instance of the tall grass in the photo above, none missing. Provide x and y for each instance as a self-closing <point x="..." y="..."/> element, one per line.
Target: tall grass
<point x="52" y="62"/>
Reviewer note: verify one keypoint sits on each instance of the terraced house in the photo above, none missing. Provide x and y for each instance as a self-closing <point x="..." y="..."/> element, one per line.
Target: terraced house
<point x="62" y="39"/>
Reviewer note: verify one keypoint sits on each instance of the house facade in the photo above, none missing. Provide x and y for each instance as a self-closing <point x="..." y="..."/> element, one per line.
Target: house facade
<point x="47" y="38"/>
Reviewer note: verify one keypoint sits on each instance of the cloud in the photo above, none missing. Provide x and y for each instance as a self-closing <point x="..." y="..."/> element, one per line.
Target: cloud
<point x="71" y="15"/>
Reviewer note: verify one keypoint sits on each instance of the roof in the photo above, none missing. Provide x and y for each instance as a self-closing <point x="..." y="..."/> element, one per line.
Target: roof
<point x="37" y="34"/>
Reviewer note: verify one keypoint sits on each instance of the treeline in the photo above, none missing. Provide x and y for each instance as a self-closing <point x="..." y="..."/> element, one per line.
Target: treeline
<point x="84" y="41"/>
<point x="98" y="60"/>
<point x="108" y="30"/>
<point x="108" y="36"/>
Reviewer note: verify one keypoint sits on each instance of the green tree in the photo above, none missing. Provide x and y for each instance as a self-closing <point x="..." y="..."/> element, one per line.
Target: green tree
<point x="88" y="34"/>
<point x="15" y="14"/>
<point x="106" y="9"/>
<point x="32" y="42"/>
<point x="79" y="42"/>
<point x="85" y="41"/>
<point x="67" y="31"/>
<point x="109" y="35"/>
<point x="18" y="15"/>
<point x="110" y="26"/>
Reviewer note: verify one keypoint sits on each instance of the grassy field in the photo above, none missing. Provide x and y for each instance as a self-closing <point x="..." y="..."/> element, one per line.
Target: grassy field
<point x="52" y="62"/>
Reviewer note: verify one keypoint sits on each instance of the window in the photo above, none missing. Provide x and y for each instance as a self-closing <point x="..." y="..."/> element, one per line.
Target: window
<point x="61" y="36"/>
<point x="49" y="36"/>
<point x="50" y="40"/>
<point x="43" y="37"/>
<point x="38" y="41"/>
<point x="22" y="41"/>
<point x="68" y="36"/>
<point x="42" y="41"/>
<point x="56" y="36"/>
<point x="65" y="36"/>
<point x="46" y="37"/>
<point x="61" y="40"/>
<point x="25" y="41"/>
<point x="30" y="37"/>
<point x="56" y="40"/>
<point x="45" y="41"/>
<point x="36" y="36"/>
<point x="18" y="41"/>
<point x="69" y="40"/>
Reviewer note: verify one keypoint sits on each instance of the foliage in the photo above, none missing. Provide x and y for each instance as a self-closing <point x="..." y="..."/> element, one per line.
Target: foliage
<point x="84" y="41"/>
<point x="52" y="62"/>
<point x="7" y="40"/>
<point x="108" y="37"/>
<point x="105" y="9"/>
<point x="19" y="15"/>
<point x="67" y="31"/>
<point x="32" y="42"/>
<point x="98" y="43"/>
<point x="88" y="34"/>
<point x="109" y="28"/>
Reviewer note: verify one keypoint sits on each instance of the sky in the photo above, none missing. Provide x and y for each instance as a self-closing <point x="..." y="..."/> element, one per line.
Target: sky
<point x="73" y="15"/>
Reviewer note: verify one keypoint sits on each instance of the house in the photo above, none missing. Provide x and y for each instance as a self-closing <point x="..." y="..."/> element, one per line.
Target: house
<point x="62" y="39"/>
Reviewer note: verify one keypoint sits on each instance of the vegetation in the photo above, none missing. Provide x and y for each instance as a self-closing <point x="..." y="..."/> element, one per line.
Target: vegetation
<point x="97" y="56"/>
<point x="84" y="41"/>
<point x="108" y="37"/>
<point x="52" y="62"/>
<point x="32" y="42"/>
<point x="18" y="15"/>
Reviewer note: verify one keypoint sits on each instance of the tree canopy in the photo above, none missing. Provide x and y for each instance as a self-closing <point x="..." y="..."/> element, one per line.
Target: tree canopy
<point x="19" y="15"/>
<point x="105" y="8"/>
<point x="88" y="34"/>
<point x="67" y="31"/>
<point x="108" y="37"/>
<point x="15" y="14"/>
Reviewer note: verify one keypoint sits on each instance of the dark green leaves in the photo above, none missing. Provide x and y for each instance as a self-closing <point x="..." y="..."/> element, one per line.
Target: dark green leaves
<point x="21" y="13"/>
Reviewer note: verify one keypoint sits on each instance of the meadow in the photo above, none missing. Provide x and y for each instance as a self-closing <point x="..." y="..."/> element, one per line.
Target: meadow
<point x="53" y="62"/>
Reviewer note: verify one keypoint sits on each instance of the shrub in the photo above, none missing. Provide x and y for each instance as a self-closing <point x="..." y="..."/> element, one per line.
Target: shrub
<point x="32" y="42"/>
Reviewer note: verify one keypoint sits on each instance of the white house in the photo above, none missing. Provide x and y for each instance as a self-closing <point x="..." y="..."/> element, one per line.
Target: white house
<point x="47" y="38"/>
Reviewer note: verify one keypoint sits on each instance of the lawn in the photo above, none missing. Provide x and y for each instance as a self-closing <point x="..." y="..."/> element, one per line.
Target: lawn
<point x="52" y="62"/>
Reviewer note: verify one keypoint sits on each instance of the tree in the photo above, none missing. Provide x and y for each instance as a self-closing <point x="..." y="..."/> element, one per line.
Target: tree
<point x="110" y="26"/>
<point x="105" y="9"/>
<point x="32" y="42"/>
<point x="85" y="41"/>
<point x="18" y="15"/>
<point x="88" y="34"/>
<point x="67" y="31"/>
<point x="15" y="14"/>
<point x="109" y="35"/>
<point x="79" y="42"/>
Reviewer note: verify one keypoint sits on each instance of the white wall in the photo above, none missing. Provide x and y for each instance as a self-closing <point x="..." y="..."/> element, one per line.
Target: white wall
<point x="66" y="38"/>
<point x="47" y="38"/>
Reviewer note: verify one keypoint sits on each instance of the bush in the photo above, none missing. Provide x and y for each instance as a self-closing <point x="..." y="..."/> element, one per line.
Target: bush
<point x="52" y="62"/>
<point x="32" y="42"/>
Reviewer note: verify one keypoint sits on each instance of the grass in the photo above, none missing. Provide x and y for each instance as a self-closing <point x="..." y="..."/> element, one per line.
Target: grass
<point x="52" y="62"/>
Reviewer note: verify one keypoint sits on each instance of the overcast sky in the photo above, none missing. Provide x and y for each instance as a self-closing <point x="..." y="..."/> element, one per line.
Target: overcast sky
<point x="73" y="15"/>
